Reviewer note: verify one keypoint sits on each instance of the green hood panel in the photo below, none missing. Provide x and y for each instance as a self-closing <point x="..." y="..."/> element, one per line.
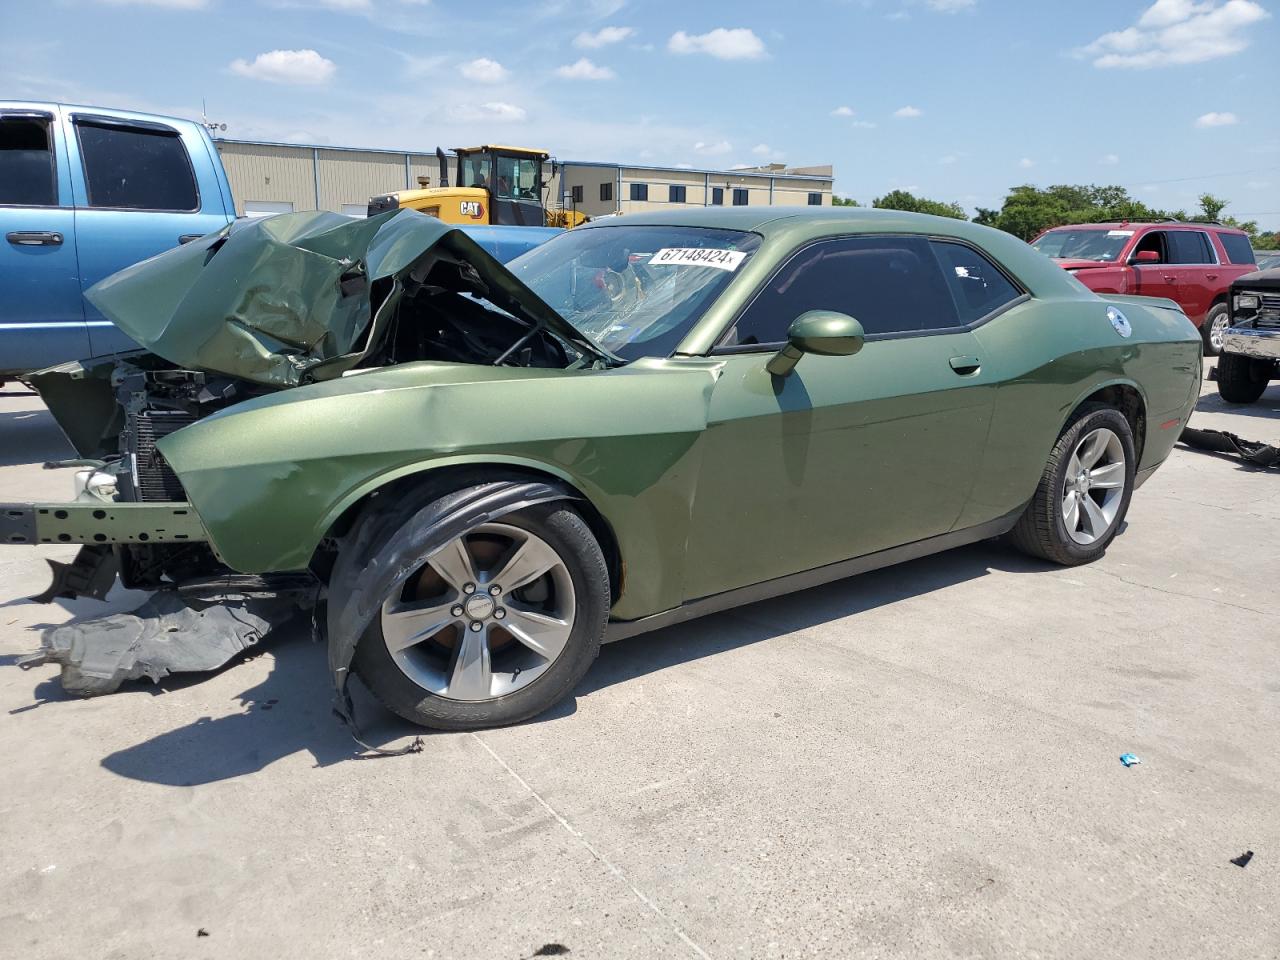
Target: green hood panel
<point x="267" y="300"/>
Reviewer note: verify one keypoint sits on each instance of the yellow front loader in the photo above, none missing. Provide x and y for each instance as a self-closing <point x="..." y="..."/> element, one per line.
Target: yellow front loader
<point x="495" y="185"/>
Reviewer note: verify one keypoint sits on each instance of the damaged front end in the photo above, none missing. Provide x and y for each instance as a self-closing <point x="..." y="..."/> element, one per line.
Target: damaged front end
<point x="237" y="316"/>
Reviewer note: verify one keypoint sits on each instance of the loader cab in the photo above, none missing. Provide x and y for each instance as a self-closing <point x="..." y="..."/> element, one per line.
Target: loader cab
<point x="512" y="177"/>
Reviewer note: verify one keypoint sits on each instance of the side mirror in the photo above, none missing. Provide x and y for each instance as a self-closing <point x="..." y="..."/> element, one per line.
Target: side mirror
<point x="824" y="332"/>
<point x="1146" y="256"/>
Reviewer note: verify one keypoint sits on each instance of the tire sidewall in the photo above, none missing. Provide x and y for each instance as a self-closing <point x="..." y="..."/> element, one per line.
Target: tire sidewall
<point x="1115" y="421"/>
<point x="565" y="531"/>
<point x="1216" y="311"/>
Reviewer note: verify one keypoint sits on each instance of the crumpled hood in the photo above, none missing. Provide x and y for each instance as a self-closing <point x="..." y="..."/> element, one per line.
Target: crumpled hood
<point x="268" y="300"/>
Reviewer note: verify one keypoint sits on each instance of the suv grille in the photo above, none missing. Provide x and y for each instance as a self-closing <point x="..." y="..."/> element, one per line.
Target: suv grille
<point x="153" y="478"/>
<point x="1269" y="312"/>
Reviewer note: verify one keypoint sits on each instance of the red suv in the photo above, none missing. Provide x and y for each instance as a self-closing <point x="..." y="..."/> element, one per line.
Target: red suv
<point x="1192" y="264"/>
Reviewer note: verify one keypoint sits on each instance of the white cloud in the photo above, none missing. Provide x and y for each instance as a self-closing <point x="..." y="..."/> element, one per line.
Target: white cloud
<point x="951" y="6"/>
<point x="484" y="70"/>
<point x="602" y="37"/>
<point x="1214" y="119"/>
<point x="1172" y="32"/>
<point x="417" y="67"/>
<point x="719" y="148"/>
<point x="1109" y="160"/>
<point x="738" y="43"/>
<point x="762" y="150"/>
<point x="908" y="112"/>
<point x="298" y="67"/>
<point x="863" y="125"/>
<point x="1026" y="163"/>
<point x="170" y="4"/>
<point x="495" y="112"/>
<point x="842" y="112"/>
<point x="584" y="69"/>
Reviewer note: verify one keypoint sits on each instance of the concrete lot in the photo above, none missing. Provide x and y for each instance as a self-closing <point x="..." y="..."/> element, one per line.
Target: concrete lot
<point x="921" y="762"/>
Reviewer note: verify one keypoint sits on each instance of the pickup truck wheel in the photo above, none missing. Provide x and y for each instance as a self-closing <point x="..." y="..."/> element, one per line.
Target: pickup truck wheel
<point x="1215" y="328"/>
<point x="1242" y="379"/>
<point x="496" y="627"/>
<point x="1084" y="492"/>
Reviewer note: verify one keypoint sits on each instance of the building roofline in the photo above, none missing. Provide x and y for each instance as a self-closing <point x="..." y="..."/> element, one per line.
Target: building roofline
<point x="574" y="163"/>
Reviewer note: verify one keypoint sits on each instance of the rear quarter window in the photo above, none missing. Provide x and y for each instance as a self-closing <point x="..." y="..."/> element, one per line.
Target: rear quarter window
<point x="1238" y="247"/>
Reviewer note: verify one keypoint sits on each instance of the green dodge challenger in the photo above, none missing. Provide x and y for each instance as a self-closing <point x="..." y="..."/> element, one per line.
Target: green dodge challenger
<point x="475" y="474"/>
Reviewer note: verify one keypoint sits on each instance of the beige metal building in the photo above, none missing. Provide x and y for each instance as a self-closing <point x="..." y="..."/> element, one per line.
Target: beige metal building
<point x="268" y="178"/>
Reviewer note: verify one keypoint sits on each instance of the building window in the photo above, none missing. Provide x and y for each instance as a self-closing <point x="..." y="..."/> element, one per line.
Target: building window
<point x="606" y="191"/>
<point x="739" y="197"/>
<point x="815" y="199"/>
<point x="576" y="193"/>
<point x="717" y="196"/>
<point x="677" y="194"/>
<point x="639" y="191"/>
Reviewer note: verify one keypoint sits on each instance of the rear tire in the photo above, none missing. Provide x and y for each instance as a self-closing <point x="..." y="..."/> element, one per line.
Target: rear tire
<point x="1214" y="328"/>
<point x="1094" y="460"/>
<point x="1242" y="379"/>
<point x="471" y="669"/>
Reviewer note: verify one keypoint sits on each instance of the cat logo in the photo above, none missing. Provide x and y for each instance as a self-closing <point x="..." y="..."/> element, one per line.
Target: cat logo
<point x="472" y="208"/>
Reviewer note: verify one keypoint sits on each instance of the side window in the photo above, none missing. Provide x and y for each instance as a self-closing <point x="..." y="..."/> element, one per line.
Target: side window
<point x="575" y="193"/>
<point x="26" y="163"/>
<point x="639" y="191"/>
<point x="1152" y="241"/>
<point x="978" y="286"/>
<point x="739" y="197"/>
<point x="815" y="199"/>
<point x="136" y="169"/>
<point x="717" y="196"/>
<point x="606" y="191"/>
<point x="1238" y="247"/>
<point x="888" y="284"/>
<point x="1189" y="246"/>
<point x="677" y="194"/>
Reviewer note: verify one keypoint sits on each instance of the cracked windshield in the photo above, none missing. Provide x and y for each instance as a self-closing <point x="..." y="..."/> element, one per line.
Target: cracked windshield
<point x="635" y="290"/>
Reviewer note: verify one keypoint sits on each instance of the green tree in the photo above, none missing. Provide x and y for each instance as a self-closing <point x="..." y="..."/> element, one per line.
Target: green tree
<point x="902" y="200"/>
<point x="844" y="201"/>
<point x="1212" y="206"/>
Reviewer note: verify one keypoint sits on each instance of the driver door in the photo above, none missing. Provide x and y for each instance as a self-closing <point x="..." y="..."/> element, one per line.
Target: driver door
<point x="847" y="455"/>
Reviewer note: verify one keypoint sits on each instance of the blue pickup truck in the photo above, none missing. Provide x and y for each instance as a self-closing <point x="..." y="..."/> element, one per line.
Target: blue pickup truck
<point x="87" y="191"/>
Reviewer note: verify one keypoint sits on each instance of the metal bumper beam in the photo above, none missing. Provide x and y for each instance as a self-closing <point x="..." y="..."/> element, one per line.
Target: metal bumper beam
<point x="1263" y="344"/>
<point x="100" y="523"/>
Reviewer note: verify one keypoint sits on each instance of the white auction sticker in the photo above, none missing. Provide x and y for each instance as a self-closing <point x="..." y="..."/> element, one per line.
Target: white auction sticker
<point x="1119" y="233"/>
<point x="697" y="257"/>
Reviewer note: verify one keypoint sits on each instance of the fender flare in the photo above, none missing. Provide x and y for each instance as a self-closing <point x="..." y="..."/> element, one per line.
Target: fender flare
<point x="360" y="579"/>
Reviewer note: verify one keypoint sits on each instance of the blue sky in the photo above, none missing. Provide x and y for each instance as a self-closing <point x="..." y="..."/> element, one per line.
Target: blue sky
<point x="954" y="99"/>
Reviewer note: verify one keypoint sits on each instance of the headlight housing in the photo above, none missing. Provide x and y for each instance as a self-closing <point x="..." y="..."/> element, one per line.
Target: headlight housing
<point x="1247" y="302"/>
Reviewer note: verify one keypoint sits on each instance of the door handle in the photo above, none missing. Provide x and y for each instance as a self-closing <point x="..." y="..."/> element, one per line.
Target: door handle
<point x="188" y="237"/>
<point x="34" y="238"/>
<point x="1169" y="279"/>
<point x="1211" y="276"/>
<point x="965" y="365"/>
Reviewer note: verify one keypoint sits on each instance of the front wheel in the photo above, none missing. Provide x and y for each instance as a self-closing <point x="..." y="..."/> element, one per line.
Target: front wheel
<point x="1215" y="328"/>
<point x="1084" y="492"/>
<point x="496" y="627"/>
<point x="1242" y="379"/>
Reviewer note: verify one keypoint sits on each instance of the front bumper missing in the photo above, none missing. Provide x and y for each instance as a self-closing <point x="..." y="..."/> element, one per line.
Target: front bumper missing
<point x="1250" y="342"/>
<point x="100" y="523"/>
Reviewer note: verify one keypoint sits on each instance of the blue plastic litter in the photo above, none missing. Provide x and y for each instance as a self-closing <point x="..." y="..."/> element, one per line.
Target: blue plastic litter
<point x="1128" y="759"/>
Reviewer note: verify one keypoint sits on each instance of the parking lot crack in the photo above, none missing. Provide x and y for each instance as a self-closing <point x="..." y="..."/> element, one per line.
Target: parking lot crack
<point x="612" y="867"/>
<point x="1176" y="593"/>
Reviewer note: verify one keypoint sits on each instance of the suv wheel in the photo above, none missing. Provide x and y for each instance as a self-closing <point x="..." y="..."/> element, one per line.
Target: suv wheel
<point x="1215" y="328"/>
<point x="1242" y="379"/>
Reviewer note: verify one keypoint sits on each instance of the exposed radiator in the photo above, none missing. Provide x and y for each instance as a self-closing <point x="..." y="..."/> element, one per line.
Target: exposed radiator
<point x="153" y="479"/>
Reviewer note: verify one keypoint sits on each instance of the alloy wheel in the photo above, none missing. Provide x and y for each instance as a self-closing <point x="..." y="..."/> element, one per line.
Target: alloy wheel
<point x="485" y="616"/>
<point x="1093" y="487"/>
<point x="1218" y="331"/>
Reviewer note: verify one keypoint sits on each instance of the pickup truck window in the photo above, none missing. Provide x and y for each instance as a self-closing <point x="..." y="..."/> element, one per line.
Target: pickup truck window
<point x="1238" y="248"/>
<point x="26" y="163"/>
<point x="135" y="169"/>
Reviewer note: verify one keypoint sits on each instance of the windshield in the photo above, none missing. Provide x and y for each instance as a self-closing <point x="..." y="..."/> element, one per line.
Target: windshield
<point x="474" y="171"/>
<point x="635" y="290"/>
<point x="1101" y="245"/>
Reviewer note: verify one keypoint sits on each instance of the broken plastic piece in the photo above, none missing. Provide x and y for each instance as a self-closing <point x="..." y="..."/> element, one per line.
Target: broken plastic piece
<point x="1219" y="441"/>
<point x="1128" y="759"/>
<point x="165" y="635"/>
<point x="91" y="574"/>
<point x="1243" y="859"/>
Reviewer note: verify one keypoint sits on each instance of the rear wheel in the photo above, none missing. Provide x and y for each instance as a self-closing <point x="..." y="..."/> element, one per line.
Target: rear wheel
<point x="1242" y="379"/>
<point x="1215" y="328"/>
<point x="1084" y="492"/>
<point x="496" y="627"/>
